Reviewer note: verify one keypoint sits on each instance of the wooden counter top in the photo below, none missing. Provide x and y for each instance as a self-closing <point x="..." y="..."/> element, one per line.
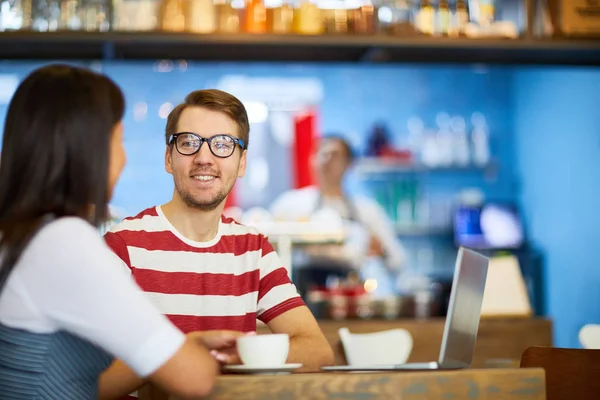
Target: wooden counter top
<point x="501" y="338"/>
<point x="469" y="384"/>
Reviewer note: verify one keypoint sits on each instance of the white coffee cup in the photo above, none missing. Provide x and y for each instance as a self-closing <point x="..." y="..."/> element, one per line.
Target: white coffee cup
<point x="264" y="350"/>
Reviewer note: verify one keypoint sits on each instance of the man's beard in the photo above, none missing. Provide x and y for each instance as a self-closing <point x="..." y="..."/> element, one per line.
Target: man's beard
<point x="190" y="201"/>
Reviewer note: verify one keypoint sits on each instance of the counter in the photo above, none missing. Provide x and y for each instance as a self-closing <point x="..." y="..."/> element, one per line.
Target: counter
<point x="498" y="338"/>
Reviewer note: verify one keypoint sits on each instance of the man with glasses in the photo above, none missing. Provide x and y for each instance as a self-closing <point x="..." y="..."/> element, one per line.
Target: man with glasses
<point x="204" y="271"/>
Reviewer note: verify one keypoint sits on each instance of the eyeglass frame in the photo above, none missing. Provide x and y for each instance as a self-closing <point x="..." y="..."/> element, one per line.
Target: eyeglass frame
<point x="236" y="141"/>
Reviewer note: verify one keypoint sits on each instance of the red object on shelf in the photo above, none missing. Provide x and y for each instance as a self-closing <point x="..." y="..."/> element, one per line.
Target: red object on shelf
<point x="305" y="136"/>
<point x="399" y="156"/>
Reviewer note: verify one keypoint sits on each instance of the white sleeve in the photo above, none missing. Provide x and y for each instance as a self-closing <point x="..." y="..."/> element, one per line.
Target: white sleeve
<point x="381" y="226"/>
<point x="76" y="282"/>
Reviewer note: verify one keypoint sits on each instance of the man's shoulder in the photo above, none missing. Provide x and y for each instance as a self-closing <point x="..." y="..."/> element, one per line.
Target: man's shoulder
<point x="246" y="239"/>
<point x="139" y="222"/>
<point x="231" y="227"/>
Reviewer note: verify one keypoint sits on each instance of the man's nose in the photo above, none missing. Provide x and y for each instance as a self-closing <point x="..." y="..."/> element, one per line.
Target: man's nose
<point x="204" y="155"/>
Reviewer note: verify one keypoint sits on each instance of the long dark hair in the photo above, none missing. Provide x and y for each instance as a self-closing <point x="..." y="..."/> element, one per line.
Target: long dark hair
<point x="55" y="153"/>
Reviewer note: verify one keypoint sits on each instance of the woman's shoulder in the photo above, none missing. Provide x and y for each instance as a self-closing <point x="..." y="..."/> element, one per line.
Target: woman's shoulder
<point x="66" y="233"/>
<point x="69" y="226"/>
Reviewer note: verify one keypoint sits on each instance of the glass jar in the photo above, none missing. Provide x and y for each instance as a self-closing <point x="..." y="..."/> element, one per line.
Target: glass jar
<point x="307" y="18"/>
<point x="394" y="17"/>
<point x="228" y="16"/>
<point x="280" y="18"/>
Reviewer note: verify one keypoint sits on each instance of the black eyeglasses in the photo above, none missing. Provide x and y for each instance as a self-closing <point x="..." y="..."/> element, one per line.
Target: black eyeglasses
<point x="221" y="146"/>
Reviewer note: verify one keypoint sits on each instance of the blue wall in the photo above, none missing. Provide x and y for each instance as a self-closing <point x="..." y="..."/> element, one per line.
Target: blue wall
<point x="355" y="96"/>
<point x="557" y="138"/>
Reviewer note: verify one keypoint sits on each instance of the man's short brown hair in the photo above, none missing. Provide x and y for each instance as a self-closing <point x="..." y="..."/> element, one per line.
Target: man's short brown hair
<point x="215" y="100"/>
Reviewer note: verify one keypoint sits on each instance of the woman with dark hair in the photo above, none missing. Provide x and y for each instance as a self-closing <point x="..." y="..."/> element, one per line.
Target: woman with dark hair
<point x="66" y="307"/>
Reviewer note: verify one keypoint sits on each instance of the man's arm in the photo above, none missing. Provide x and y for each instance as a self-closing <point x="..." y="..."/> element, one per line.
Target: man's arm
<point x="308" y="345"/>
<point x="282" y="309"/>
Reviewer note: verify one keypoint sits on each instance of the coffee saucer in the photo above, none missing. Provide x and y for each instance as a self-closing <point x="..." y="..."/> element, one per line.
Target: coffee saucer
<point x="274" y="370"/>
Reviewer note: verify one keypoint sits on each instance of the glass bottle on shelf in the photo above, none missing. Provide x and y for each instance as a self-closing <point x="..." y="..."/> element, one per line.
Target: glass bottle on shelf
<point x="394" y="17"/>
<point x="26" y="8"/>
<point x="172" y="16"/>
<point x="94" y="15"/>
<point x="69" y="15"/>
<point x="482" y="11"/>
<point x="201" y="16"/>
<point x="280" y="17"/>
<point x="460" y="146"/>
<point x="361" y="20"/>
<point x="256" y="17"/>
<point x="444" y="140"/>
<point x="45" y="15"/>
<point x="425" y="18"/>
<point x="480" y="139"/>
<point x="442" y="25"/>
<point x="229" y="16"/>
<point x="136" y="15"/>
<point x="487" y="11"/>
<point x="459" y="19"/>
<point x="308" y="18"/>
<point x="335" y="17"/>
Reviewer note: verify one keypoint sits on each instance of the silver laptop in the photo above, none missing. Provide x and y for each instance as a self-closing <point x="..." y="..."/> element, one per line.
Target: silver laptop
<point x="462" y="319"/>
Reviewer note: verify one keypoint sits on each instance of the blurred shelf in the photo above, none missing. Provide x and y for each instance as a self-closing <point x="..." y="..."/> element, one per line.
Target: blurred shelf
<point x="294" y="48"/>
<point x="417" y="230"/>
<point x="302" y="232"/>
<point x="375" y="165"/>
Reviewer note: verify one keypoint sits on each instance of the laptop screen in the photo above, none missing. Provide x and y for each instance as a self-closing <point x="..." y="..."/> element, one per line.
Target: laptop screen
<point x="464" y="309"/>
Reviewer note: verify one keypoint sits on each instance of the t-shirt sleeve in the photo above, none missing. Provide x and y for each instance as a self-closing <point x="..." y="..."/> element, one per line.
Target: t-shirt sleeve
<point x="276" y="294"/>
<point x="116" y="243"/>
<point x="76" y="283"/>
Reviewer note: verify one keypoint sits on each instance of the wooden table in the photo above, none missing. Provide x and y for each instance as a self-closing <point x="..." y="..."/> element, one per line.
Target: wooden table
<point x="470" y="384"/>
<point x="501" y="338"/>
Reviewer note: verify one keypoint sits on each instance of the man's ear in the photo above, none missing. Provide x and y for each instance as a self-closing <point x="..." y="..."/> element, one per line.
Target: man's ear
<point x="169" y="159"/>
<point x="242" y="166"/>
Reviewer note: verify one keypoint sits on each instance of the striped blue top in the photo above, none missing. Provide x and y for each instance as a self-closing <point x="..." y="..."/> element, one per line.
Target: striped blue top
<point x="54" y="366"/>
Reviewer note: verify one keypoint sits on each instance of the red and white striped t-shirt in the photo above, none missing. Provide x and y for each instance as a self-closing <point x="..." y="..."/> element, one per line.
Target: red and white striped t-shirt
<point x="226" y="283"/>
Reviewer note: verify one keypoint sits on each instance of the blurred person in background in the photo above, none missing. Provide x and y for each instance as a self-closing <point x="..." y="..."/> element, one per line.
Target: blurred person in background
<point x="204" y="271"/>
<point x="370" y="232"/>
<point x="66" y="308"/>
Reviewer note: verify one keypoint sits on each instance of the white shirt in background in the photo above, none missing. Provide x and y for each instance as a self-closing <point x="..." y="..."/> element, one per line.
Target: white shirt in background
<point x="300" y="204"/>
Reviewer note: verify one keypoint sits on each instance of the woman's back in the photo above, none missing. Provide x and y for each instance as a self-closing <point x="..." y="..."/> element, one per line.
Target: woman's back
<point x="56" y="365"/>
<point x="67" y="286"/>
<point x="39" y="359"/>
